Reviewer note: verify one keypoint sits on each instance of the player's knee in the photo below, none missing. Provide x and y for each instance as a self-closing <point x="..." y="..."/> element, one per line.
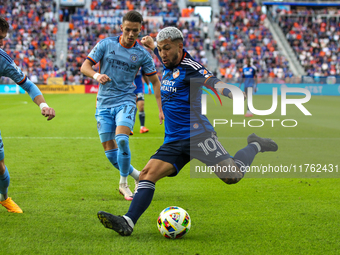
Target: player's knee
<point x="146" y="175"/>
<point x="229" y="172"/>
<point x="122" y="141"/>
<point x="2" y="167"/>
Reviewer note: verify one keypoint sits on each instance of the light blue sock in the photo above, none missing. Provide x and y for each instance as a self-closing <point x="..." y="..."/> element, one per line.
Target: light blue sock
<point x="112" y="156"/>
<point x="4" y="182"/>
<point x="124" y="155"/>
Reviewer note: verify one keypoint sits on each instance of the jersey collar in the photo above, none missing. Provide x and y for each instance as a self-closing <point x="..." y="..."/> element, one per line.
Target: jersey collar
<point x="119" y="40"/>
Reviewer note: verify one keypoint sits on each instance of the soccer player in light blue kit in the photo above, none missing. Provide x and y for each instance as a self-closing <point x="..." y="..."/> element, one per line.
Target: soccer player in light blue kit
<point x="9" y="69"/>
<point x="249" y="80"/>
<point x="186" y="129"/>
<point x="120" y="58"/>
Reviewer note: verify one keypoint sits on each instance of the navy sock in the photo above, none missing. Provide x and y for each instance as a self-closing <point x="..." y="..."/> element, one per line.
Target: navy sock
<point x="141" y="200"/>
<point x="244" y="157"/>
<point x="4" y="182"/>
<point x="142" y="118"/>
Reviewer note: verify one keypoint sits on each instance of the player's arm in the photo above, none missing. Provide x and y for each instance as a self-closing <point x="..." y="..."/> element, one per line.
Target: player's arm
<point x="146" y="80"/>
<point x="148" y="42"/>
<point x="92" y="59"/>
<point x="157" y="90"/>
<point x="255" y="80"/>
<point x="229" y="92"/>
<point x="32" y="90"/>
<point x="242" y="80"/>
<point x="87" y="70"/>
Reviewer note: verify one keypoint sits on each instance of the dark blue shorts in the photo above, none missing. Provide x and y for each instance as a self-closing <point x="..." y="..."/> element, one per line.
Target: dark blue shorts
<point x="205" y="147"/>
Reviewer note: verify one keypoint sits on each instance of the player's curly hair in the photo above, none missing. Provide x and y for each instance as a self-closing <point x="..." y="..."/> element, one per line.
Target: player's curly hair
<point x="4" y="26"/>
<point x="133" y="16"/>
<point x="172" y="33"/>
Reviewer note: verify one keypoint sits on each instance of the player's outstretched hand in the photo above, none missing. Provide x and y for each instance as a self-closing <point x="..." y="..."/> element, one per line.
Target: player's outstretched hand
<point x="48" y="112"/>
<point x="103" y="78"/>
<point x="161" y="118"/>
<point x="147" y="41"/>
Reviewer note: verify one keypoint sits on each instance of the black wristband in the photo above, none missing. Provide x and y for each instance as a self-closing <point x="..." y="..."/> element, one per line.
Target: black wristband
<point x="226" y="92"/>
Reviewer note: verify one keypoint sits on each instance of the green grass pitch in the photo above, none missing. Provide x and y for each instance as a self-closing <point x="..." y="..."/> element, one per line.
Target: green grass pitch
<point x="60" y="177"/>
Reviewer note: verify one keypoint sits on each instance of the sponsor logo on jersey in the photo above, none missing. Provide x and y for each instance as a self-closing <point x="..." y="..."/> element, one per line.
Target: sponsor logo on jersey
<point x="195" y="126"/>
<point x="115" y="63"/>
<point x="175" y="73"/>
<point x="134" y="58"/>
<point x="113" y="52"/>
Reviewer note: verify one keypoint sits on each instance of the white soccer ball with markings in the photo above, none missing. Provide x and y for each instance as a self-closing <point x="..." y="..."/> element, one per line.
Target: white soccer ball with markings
<point x="173" y="222"/>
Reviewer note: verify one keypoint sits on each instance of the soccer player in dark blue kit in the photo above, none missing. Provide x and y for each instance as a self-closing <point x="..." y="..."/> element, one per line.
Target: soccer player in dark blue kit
<point x="181" y="142"/>
<point x="249" y="80"/>
<point x="140" y="98"/>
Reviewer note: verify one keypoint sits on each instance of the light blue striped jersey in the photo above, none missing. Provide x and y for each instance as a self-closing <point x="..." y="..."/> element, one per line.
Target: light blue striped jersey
<point x="121" y="65"/>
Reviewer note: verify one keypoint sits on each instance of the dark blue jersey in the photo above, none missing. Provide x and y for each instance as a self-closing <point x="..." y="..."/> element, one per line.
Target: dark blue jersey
<point x="249" y="73"/>
<point x="139" y="82"/>
<point x="181" y="98"/>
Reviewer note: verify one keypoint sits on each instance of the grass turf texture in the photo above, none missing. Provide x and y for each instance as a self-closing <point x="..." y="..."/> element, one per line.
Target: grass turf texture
<point x="61" y="178"/>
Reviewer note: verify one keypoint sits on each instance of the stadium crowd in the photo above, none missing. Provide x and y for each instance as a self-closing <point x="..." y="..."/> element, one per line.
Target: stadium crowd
<point x="31" y="39"/>
<point x="87" y="27"/>
<point x="314" y="36"/>
<point x="240" y="33"/>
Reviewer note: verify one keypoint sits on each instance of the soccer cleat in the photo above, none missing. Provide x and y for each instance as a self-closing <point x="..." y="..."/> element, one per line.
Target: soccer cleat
<point x="125" y="191"/>
<point x="131" y="132"/>
<point x="11" y="206"/>
<point x="143" y="130"/>
<point x="116" y="223"/>
<point x="266" y="144"/>
<point x="248" y="114"/>
<point x="136" y="186"/>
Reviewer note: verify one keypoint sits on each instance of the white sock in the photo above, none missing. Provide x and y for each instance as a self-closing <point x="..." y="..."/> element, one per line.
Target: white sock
<point x="135" y="174"/>
<point x="141" y="127"/>
<point x="122" y="180"/>
<point x="129" y="221"/>
<point x="257" y="145"/>
<point x="2" y="197"/>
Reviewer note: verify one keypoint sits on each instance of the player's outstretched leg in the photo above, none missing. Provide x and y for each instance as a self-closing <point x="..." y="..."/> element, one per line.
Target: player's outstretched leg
<point x="116" y="223"/>
<point x="266" y="144"/>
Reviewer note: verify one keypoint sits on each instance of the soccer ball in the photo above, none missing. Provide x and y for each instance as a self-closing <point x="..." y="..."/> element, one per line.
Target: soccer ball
<point x="173" y="222"/>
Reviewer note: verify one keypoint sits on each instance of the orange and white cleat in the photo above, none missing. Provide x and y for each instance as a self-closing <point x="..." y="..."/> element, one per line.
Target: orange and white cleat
<point x="143" y="130"/>
<point x="11" y="206"/>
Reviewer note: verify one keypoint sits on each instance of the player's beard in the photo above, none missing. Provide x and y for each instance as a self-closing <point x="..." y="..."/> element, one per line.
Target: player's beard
<point x="171" y="64"/>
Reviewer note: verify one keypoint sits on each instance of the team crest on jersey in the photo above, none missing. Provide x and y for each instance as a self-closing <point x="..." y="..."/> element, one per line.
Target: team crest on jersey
<point x="195" y="126"/>
<point x="134" y="58"/>
<point x="175" y="73"/>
